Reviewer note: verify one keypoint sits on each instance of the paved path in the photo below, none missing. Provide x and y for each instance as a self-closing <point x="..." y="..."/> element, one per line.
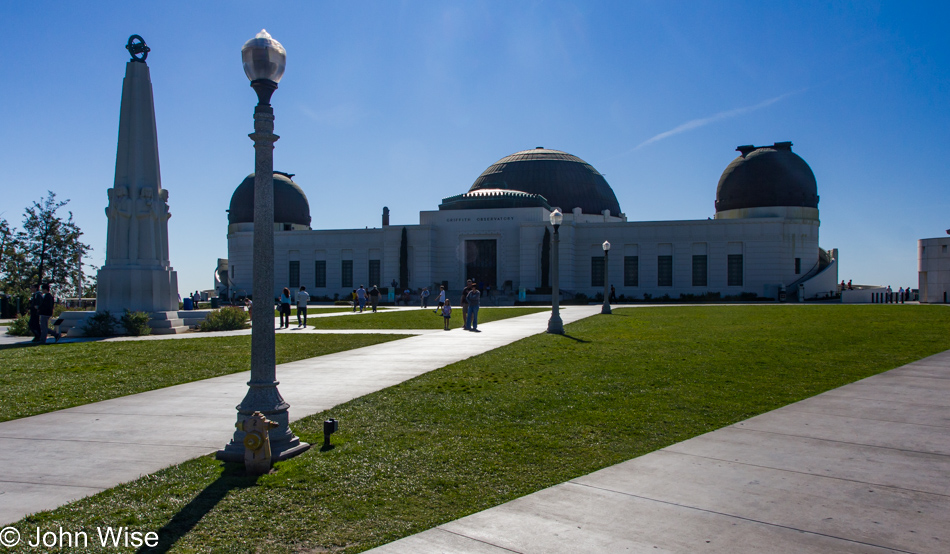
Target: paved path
<point x="862" y="468"/>
<point x="51" y="459"/>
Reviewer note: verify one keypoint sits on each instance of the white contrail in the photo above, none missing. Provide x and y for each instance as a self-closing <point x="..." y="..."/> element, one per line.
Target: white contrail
<point x="696" y="123"/>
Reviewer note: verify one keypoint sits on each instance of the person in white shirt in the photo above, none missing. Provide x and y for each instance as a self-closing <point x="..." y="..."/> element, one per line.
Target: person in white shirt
<point x="302" y="298"/>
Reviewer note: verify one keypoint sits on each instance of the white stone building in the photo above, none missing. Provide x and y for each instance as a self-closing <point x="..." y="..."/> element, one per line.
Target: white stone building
<point x="763" y="239"/>
<point x="933" y="269"/>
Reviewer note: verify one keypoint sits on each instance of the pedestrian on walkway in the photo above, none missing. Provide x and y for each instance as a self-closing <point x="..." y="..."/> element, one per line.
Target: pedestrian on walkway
<point x="361" y="297"/>
<point x="464" y="303"/>
<point x="285" y="308"/>
<point x="36" y="298"/>
<point x="353" y="299"/>
<point x="46" y="312"/>
<point x="374" y="297"/>
<point x="441" y="298"/>
<point x="446" y="313"/>
<point x="303" y="297"/>
<point x="474" y="296"/>
<point x="424" y="295"/>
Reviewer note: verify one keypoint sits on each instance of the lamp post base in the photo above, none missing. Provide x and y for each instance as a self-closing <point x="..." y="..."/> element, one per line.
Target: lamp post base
<point x="606" y="309"/>
<point x="555" y="325"/>
<point x="263" y="397"/>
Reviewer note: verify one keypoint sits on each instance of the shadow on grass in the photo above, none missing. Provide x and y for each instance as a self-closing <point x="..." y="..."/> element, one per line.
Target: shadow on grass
<point x="232" y="477"/>
<point x="575" y="339"/>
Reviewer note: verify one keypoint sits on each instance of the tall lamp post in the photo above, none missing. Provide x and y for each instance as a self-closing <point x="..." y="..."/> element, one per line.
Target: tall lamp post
<point x="264" y="61"/>
<point x="606" y="308"/>
<point x="555" y="325"/>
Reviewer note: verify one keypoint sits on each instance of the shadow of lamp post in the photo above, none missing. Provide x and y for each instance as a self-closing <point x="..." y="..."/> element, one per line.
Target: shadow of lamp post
<point x="606" y="308"/>
<point x="264" y="61"/>
<point x="555" y="325"/>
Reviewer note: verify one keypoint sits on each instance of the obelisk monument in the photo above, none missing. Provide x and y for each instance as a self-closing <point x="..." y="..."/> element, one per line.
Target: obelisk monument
<point x="137" y="275"/>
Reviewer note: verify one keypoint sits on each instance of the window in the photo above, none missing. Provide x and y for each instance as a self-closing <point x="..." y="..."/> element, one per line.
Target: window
<point x="944" y="248"/>
<point x="597" y="271"/>
<point x="293" y="281"/>
<point x="347" y="274"/>
<point x="320" y="274"/>
<point x="699" y="270"/>
<point x="798" y="266"/>
<point x="734" y="277"/>
<point x="373" y="273"/>
<point x="664" y="271"/>
<point x="631" y="271"/>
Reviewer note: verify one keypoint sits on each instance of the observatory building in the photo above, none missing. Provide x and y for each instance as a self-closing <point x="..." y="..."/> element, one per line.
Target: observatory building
<point x="762" y="240"/>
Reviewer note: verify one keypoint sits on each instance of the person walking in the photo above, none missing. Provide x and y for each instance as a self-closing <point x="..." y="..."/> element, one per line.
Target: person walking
<point x="284" y="308"/>
<point x="361" y="297"/>
<point x="303" y="297"/>
<point x="424" y="295"/>
<point x="374" y="297"/>
<point x="446" y="309"/>
<point x="353" y="299"/>
<point x="36" y="298"/>
<point x="474" y="299"/>
<point x="464" y="303"/>
<point x="46" y="312"/>
<point x="441" y="298"/>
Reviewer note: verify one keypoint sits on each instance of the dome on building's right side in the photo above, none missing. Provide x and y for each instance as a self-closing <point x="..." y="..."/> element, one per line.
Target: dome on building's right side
<point x="765" y="176"/>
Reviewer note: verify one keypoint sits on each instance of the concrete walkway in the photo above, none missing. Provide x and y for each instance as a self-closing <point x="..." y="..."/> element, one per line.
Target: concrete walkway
<point x="51" y="459"/>
<point x="862" y="468"/>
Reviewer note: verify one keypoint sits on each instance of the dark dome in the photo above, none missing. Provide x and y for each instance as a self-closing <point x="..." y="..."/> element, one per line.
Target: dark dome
<point x="290" y="203"/>
<point x="765" y="176"/>
<point x="565" y="181"/>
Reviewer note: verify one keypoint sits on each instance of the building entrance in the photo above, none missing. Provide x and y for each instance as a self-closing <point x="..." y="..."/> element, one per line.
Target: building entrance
<point x="481" y="262"/>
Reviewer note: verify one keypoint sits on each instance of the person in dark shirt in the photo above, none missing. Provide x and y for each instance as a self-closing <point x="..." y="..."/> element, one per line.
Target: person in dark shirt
<point x="36" y="298"/>
<point x="46" y="312"/>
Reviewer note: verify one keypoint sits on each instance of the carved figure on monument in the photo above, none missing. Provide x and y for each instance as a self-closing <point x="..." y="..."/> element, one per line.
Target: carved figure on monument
<point x="146" y="214"/>
<point x="162" y="226"/>
<point x="119" y="212"/>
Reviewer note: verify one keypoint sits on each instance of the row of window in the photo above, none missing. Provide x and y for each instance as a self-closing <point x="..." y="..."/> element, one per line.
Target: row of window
<point x="664" y="271"/>
<point x="346" y="274"/>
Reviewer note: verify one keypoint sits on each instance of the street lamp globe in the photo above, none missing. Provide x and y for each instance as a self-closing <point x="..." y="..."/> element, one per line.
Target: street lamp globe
<point x="264" y="58"/>
<point x="556" y="217"/>
<point x="606" y="246"/>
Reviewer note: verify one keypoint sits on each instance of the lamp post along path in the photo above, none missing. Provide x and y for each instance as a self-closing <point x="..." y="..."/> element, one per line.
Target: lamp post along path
<point x="264" y="61"/>
<point x="555" y="325"/>
<point x="606" y="307"/>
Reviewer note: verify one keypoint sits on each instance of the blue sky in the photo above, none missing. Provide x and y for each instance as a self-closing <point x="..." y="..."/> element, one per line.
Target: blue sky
<point x="400" y="104"/>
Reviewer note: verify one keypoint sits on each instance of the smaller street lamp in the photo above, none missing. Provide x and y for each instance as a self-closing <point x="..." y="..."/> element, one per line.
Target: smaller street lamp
<point x="606" y="308"/>
<point x="555" y="325"/>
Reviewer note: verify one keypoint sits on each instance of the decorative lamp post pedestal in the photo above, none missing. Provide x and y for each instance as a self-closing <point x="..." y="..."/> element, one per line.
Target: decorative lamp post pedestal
<point x="264" y="61"/>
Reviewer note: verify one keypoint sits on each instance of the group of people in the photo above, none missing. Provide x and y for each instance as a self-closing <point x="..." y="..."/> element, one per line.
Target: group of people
<point x="41" y="309"/>
<point x="361" y="296"/>
<point x="302" y="299"/>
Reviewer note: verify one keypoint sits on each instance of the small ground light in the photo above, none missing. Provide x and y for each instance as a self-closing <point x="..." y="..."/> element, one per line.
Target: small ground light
<point x="330" y="426"/>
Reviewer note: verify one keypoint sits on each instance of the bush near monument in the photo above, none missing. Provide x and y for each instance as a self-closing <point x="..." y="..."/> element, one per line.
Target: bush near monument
<point x="20" y="327"/>
<point x="100" y="325"/>
<point x="228" y="318"/>
<point x="136" y="323"/>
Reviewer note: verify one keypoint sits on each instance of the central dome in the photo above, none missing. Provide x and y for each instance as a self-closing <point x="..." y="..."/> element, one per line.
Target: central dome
<point x="564" y="180"/>
<point x="290" y="203"/>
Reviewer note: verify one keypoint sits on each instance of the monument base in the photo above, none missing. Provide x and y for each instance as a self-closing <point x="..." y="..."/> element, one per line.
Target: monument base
<point x="137" y="289"/>
<point x="162" y="323"/>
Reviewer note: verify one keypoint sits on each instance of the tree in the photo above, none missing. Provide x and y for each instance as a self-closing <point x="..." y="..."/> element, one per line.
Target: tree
<point x="12" y="275"/>
<point x="51" y="246"/>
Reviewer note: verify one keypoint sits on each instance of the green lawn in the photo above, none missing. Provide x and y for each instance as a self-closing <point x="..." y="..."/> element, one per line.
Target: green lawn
<point x="515" y="420"/>
<point x="415" y="319"/>
<point x="35" y="380"/>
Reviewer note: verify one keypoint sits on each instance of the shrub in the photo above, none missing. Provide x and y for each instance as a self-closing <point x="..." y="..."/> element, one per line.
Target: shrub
<point x="136" y="323"/>
<point x="100" y="325"/>
<point x="20" y="327"/>
<point x="225" y="319"/>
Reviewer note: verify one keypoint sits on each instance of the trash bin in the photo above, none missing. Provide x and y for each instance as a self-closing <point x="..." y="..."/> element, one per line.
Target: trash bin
<point x="187" y="304"/>
<point x="215" y="303"/>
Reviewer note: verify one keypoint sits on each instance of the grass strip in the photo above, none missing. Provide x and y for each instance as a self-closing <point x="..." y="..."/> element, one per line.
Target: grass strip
<point x="36" y="380"/>
<point x="417" y="319"/>
<point x="513" y="421"/>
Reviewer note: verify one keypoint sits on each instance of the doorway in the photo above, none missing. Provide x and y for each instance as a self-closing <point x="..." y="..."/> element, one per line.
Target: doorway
<point x="481" y="262"/>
